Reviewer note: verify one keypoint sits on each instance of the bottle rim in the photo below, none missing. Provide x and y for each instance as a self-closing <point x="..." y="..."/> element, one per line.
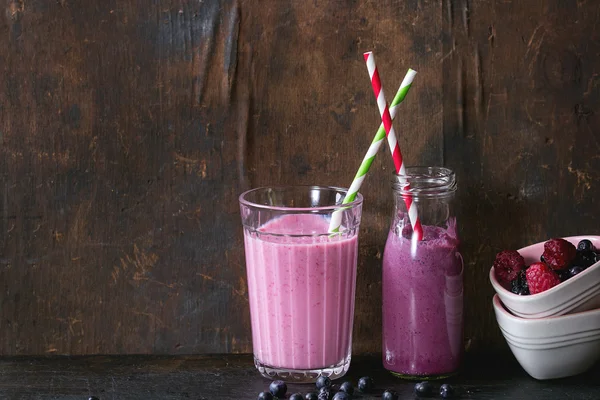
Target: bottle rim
<point x="425" y="181"/>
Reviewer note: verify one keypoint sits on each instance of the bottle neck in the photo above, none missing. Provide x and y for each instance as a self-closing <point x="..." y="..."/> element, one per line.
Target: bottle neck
<point x="425" y="182"/>
<point x="428" y="190"/>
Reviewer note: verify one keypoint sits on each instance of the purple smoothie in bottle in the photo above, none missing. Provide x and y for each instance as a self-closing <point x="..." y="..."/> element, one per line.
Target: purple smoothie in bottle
<point x="422" y="285"/>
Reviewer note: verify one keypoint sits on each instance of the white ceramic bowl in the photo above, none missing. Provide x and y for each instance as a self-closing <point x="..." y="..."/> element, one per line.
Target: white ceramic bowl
<point x="580" y="293"/>
<point x="552" y="347"/>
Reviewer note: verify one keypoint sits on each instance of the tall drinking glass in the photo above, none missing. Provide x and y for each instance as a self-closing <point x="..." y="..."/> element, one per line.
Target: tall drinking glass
<point x="301" y="279"/>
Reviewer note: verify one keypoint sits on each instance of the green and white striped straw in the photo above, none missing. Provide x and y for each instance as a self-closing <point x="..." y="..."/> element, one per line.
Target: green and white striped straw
<point x="336" y="217"/>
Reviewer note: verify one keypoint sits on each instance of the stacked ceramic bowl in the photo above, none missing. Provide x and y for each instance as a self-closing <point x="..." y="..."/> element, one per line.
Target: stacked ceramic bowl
<point x="555" y="333"/>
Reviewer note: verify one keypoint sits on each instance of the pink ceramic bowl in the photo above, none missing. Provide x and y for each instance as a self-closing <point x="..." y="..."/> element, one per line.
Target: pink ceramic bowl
<point x="553" y="347"/>
<point x="580" y="293"/>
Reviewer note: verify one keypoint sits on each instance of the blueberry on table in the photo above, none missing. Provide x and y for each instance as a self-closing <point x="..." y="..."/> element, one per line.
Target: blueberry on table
<point x="585" y="245"/>
<point x="365" y="384"/>
<point x="265" y="396"/>
<point x="347" y="387"/>
<point x="296" y="396"/>
<point x="278" y="388"/>
<point x="322" y="382"/>
<point x="311" y="396"/>
<point x="423" y="389"/>
<point x="341" y="396"/>
<point x="389" y="395"/>
<point x="93" y="398"/>
<point x="446" y="391"/>
<point x="325" y="393"/>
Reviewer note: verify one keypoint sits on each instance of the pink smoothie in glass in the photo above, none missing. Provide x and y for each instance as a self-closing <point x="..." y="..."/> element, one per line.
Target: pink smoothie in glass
<point x="423" y="303"/>
<point x="301" y="292"/>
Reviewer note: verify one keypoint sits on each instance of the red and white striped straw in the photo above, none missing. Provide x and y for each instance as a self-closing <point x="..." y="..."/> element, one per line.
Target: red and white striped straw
<point x="392" y="140"/>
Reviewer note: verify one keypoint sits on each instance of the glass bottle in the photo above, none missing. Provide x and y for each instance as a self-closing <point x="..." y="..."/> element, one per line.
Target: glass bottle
<point x="423" y="279"/>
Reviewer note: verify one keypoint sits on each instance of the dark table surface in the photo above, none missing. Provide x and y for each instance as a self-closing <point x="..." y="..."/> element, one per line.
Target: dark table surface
<point x="234" y="377"/>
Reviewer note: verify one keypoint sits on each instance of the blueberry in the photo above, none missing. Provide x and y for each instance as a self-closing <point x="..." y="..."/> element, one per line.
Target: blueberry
<point x="265" y="396"/>
<point x="389" y="395"/>
<point x="296" y="396"/>
<point x="93" y="398"/>
<point x="278" y="388"/>
<point x="323" y="381"/>
<point x="519" y="284"/>
<point x="575" y="270"/>
<point x="524" y="291"/>
<point x="542" y="259"/>
<point x="589" y="259"/>
<point x="342" y="396"/>
<point x="311" y="396"/>
<point x="585" y="258"/>
<point x="365" y="384"/>
<point x="446" y="391"/>
<point x="515" y="285"/>
<point x="347" y="387"/>
<point x="325" y="393"/>
<point x="585" y="245"/>
<point x="563" y="274"/>
<point x="423" y="389"/>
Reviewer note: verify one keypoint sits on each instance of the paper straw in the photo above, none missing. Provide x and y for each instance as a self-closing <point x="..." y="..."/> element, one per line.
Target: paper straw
<point x="336" y="217"/>
<point x="392" y="141"/>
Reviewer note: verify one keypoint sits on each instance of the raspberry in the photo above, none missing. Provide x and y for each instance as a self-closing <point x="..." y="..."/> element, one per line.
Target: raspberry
<point x="558" y="253"/>
<point x="507" y="265"/>
<point x="540" y="277"/>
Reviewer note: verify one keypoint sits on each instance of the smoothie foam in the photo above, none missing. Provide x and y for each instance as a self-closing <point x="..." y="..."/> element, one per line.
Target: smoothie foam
<point x="301" y="291"/>
<point x="422" y="303"/>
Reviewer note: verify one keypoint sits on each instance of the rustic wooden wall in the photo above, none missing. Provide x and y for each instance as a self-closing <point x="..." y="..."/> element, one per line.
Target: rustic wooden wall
<point x="128" y="129"/>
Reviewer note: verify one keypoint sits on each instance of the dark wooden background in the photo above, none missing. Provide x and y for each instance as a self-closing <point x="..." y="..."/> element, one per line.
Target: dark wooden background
<point x="128" y="129"/>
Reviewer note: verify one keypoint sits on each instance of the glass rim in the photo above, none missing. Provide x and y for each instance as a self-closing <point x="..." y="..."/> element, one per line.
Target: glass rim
<point x="356" y="202"/>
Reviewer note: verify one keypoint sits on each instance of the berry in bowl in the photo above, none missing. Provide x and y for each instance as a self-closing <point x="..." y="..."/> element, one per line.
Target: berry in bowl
<point x="556" y="277"/>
